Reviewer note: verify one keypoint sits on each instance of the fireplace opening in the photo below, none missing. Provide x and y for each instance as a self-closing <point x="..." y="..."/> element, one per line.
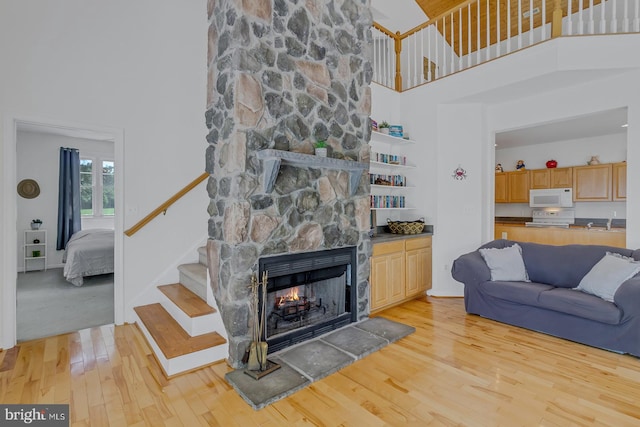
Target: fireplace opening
<point x="308" y="294"/>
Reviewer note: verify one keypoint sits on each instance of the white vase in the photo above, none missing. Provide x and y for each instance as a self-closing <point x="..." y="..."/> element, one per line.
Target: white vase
<point x="35" y="225"/>
<point x="321" y="152"/>
<point x="384" y="130"/>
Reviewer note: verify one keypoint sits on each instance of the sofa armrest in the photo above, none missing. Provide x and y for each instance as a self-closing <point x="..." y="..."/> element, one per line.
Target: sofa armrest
<point x="470" y="269"/>
<point x="627" y="298"/>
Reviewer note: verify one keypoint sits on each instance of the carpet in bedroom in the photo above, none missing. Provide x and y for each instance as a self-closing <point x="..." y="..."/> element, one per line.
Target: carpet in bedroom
<point x="49" y="305"/>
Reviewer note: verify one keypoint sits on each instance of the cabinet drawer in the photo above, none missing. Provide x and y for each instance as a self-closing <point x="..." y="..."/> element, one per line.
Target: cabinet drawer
<point x="388" y="248"/>
<point x="418" y="243"/>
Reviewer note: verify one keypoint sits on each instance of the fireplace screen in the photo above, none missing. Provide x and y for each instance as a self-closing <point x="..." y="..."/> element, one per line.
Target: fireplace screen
<point x="308" y="294"/>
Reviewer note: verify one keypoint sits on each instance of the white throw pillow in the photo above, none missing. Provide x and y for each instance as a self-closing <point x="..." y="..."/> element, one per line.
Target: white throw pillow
<point x="506" y="264"/>
<point x="604" y="278"/>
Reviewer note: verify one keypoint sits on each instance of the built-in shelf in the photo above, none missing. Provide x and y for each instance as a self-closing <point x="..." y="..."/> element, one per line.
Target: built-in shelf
<point x="391" y="187"/>
<point x="392" y="209"/>
<point x="391" y="165"/>
<point x="383" y="137"/>
<point x="272" y="159"/>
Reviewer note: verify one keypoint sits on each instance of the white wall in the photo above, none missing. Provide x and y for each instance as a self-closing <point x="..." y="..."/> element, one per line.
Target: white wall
<point x="457" y="117"/>
<point x="135" y="66"/>
<point x="38" y="158"/>
<point x="609" y="148"/>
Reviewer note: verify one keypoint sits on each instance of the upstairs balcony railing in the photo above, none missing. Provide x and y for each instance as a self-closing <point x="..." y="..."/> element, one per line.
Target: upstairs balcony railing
<point x="481" y="30"/>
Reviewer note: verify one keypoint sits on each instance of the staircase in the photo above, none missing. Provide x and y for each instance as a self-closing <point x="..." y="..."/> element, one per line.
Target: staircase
<point x="181" y="327"/>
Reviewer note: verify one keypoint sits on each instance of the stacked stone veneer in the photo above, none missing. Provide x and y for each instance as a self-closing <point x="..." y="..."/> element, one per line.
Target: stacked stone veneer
<point x="283" y="74"/>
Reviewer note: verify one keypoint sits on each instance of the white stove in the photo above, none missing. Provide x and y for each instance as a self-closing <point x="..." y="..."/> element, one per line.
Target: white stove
<point x="552" y="217"/>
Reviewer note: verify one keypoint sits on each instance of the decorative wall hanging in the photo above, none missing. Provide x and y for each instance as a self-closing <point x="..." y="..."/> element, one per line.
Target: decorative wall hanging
<point x="28" y="188"/>
<point x="459" y="174"/>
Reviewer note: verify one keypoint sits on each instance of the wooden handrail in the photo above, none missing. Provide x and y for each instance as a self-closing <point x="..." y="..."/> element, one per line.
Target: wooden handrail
<point x="434" y="20"/>
<point x="163" y="207"/>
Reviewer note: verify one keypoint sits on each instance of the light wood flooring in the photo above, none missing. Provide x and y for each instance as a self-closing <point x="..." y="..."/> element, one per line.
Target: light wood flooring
<point x="456" y="369"/>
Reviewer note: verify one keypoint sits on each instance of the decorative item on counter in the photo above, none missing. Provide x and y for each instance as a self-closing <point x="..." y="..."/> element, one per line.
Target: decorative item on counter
<point x="552" y="164"/>
<point x="520" y="165"/>
<point x="406" y="227"/>
<point x="384" y="127"/>
<point x="35" y="224"/>
<point x="396" y="130"/>
<point x="321" y="148"/>
<point x="595" y="160"/>
<point x="459" y="174"/>
<point x="374" y="125"/>
<point x="499" y="168"/>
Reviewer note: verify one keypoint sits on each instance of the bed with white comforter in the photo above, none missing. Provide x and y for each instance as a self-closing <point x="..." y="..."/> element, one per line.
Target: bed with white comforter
<point x="88" y="253"/>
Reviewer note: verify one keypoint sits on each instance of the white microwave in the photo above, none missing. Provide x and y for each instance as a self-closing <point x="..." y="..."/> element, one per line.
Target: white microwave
<point x="551" y="198"/>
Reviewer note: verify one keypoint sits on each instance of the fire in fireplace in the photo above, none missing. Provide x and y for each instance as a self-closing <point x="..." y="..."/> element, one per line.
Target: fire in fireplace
<point x="308" y="294"/>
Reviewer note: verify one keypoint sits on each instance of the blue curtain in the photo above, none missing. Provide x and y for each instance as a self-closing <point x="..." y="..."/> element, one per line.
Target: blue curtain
<point x="68" y="196"/>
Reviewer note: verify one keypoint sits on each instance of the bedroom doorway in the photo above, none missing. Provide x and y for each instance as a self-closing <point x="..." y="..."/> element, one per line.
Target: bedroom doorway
<point x="101" y="296"/>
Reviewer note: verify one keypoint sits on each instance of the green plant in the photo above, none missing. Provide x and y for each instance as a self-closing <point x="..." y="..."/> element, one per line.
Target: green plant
<point x="320" y="144"/>
<point x="384" y="125"/>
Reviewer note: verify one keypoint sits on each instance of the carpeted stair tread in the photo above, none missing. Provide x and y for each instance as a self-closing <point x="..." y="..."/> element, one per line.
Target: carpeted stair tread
<point x="170" y="337"/>
<point x="189" y="302"/>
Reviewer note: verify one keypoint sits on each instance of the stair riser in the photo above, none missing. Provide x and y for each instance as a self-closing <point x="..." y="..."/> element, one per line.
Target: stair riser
<point x="187" y="362"/>
<point x="192" y="325"/>
<point x="194" y="285"/>
<point x="202" y="257"/>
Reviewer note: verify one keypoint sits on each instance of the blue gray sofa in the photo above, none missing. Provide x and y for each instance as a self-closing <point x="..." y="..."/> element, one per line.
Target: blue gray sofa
<point x="550" y="303"/>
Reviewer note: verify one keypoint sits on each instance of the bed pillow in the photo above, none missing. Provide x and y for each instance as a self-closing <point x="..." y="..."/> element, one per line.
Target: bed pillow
<point x="604" y="278"/>
<point x="506" y="264"/>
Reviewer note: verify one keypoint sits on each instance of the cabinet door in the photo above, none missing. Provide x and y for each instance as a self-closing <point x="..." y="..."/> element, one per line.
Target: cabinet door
<point x="379" y="287"/>
<point x="619" y="181"/>
<point x="561" y="178"/>
<point x="540" y="178"/>
<point x="387" y="274"/>
<point x="418" y="271"/>
<point x="518" y="187"/>
<point x="396" y="276"/>
<point x="501" y="182"/>
<point x="592" y="183"/>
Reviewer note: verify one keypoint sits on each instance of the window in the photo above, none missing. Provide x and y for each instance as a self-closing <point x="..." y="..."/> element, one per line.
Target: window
<point x="97" y="191"/>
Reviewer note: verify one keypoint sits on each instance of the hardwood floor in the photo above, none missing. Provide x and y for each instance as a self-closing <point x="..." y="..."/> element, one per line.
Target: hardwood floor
<point x="456" y="369"/>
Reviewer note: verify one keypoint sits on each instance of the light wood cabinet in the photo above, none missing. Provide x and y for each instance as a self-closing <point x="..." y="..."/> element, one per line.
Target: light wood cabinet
<point x="512" y="187"/>
<point x="551" y="178"/>
<point x="620" y="181"/>
<point x="418" y="266"/>
<point x="501" y="193"/>
<point x="592" y="183"/>
<point x="561" y="236"/>
<point x="400" y="270"/>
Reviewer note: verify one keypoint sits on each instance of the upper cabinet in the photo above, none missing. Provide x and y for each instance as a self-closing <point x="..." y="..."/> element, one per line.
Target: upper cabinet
<point x="551" y="178"/>
<point x="512" y="187"/>
<point x="620" y="181"/>
<point x="592" y="183"/>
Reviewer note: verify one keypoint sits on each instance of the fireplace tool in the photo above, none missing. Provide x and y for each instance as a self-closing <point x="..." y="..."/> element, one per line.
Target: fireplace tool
<point x="258" y="365"/>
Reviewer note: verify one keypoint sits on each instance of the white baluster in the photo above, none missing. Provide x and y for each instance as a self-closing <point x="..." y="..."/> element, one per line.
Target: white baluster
<point x="625" y="21"/>
<point x="614" y="20"/>
<point x="543" y="20"/>
<point x="520" y="24"/>
<point x="429" y="55"/>
<point x="591" y="30"/>
<point x="444" y="46"/>
<point x="416" y="58"/>
<point x="437" y="61"/>
<point x="569" y="20"/>
<point x="422" y="55"/>
<point x="407" y="54"/>
<point x="636" y="16"/>
<point x="460" y="65"/>
<point x="603" y="12"/>
<point x="478" y="56"/>
<point x="469" y="54"/>
<point x="488" y="54"/>
<point x="498" y="28"/>
<point x="508" y="26"/>
<point x="530" y="22"/>
<point x="453" y="45"/>
<point x="580" y="21"/>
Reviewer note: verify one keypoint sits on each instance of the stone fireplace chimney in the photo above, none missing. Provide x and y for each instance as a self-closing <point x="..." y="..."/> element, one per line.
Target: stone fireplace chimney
<point x="283" y="74"/>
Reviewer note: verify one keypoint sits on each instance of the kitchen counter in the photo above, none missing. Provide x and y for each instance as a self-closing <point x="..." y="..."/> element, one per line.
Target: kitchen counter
<point x="384" y="235"/>
<point x="575" y="234"/>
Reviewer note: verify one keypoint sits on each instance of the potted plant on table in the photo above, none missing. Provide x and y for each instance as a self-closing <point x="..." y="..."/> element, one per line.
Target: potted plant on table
<point x="384" y="127"/>
<point x="321" y="148"/>
<point x="35" y="224"/>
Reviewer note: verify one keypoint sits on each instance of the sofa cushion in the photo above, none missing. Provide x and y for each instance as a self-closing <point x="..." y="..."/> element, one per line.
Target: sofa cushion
<point x="505" y="263"/>
<point x="520" y="292"/>
<point x="608" y="274"/>
<point x="563" y="266"/>
<point x="571" y="301"/>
